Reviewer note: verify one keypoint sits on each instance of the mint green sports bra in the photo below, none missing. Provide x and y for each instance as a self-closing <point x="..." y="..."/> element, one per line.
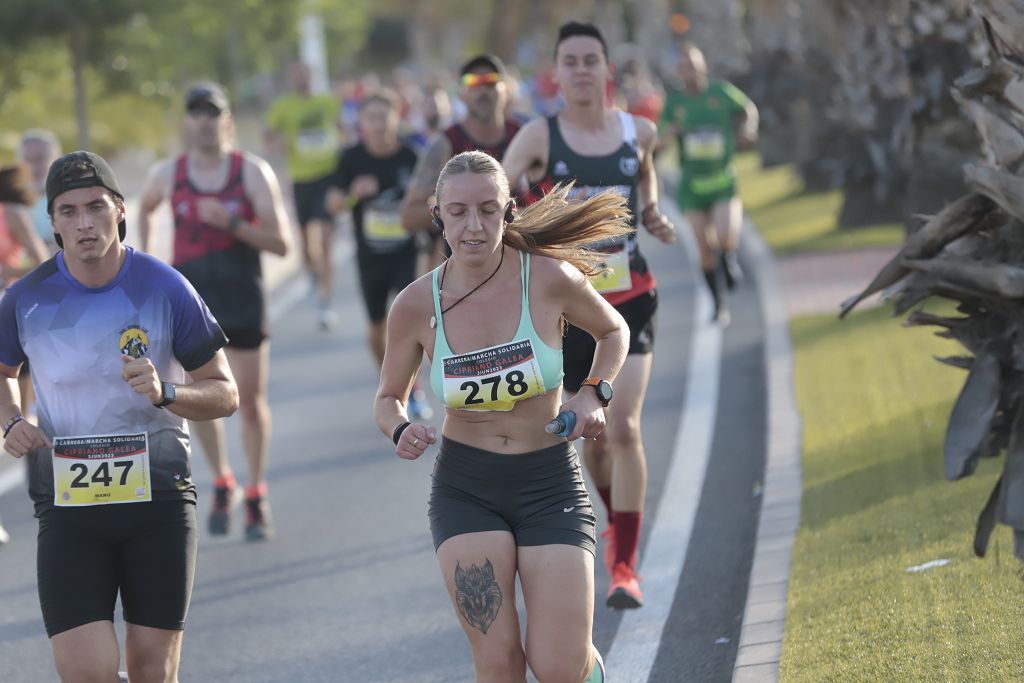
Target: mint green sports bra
<point x="497" y="377"/>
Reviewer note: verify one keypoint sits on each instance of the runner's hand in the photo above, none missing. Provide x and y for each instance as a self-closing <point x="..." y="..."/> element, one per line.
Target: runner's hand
<point x="746" y="139"/>
<point x="590" y="417"/>
<point x="213" y="212"/>
<point x="414" y="440"/>
<point x="659" y="225"/>
<point x="25" y="437"/>
<point x="364" y="186"/>
<point x="142" y="377"/>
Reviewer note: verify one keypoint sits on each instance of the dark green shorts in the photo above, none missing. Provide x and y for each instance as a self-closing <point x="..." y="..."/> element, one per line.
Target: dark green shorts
<point x="538" y="497"/>
<point x="701" y="194"/>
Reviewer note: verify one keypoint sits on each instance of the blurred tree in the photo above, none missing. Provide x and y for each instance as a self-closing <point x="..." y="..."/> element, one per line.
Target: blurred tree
<point x="716" y="26"/>
<point x="777" y="83"/>
<point x="82" y="25"/>
<point x="871" y="100"/>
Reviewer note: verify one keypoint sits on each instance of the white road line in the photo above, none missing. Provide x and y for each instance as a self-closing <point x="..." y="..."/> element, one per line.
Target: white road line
<point x="636" y="643"/>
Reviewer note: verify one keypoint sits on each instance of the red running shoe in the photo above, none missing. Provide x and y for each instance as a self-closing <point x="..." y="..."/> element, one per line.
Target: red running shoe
<point x="624" y="593"/>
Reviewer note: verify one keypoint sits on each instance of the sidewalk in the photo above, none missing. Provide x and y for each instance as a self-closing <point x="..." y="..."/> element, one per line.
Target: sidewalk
<point x="819" y="282"/>
<point x="790" y="286"/>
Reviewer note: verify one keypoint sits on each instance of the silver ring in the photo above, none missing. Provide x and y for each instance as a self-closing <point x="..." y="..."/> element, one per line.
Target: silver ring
<point x="415" y="441"/>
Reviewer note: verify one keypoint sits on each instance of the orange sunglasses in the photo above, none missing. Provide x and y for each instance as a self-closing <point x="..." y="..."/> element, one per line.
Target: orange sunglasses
<point x="472" y="80"/>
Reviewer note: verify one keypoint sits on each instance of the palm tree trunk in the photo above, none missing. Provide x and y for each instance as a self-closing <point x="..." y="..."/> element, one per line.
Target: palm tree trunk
<point x="77" y="46"/>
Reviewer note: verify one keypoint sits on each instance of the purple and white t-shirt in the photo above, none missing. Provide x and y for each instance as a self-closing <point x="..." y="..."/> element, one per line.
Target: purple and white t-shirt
<point x="73" y="337"/>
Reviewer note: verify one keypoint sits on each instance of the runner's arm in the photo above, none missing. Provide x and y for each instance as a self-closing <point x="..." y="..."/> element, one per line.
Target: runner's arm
<point x="262" y="188"/>
<point x="402" y="357"/>
<point x="23" y="436"/>
<point x="415" y="209"/>
<point x="211" y="394"/>
<point x="526" y="158"/>
<point x="647" y="185"/>
<point x="154" y="190"/>
<point x="585" y="308"/>
<point x="20" y="225"/>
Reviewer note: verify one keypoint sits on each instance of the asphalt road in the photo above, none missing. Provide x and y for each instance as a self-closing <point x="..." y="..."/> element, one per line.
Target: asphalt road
<point x="349" y="589"/>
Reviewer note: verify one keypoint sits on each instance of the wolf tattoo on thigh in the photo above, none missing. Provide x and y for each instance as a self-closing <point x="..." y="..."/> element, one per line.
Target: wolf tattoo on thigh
<point x="477" y="595"/>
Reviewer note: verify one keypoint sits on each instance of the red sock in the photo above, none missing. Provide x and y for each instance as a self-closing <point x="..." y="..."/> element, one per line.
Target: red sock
<point x="606" y="497"/>
<point x="627" y="536"/>
<point x="258" y="491"/>
<point x="227" y="481"/>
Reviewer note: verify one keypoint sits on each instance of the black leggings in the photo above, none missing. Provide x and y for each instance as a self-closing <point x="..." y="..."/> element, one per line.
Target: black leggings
<point x="145" y="551"/>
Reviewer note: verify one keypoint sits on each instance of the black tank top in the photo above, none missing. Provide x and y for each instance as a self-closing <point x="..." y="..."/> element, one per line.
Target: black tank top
<point x="620" y="171"/>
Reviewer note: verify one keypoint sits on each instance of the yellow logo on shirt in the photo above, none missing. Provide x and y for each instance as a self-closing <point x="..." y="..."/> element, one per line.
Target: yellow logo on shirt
<point x="134" y="341"/>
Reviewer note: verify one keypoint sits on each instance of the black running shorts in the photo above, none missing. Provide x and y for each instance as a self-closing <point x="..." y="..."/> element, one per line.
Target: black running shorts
<point x="87" y="555"/>
<point x="578" y="347"/>
<point x="538" y="497"/>
<point x="310" y="201"/>
<point x="245" y="338"/>
<point x="381" y="275"/>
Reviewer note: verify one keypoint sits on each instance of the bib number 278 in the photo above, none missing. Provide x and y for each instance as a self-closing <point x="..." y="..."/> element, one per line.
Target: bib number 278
<point x="515" y="380"/>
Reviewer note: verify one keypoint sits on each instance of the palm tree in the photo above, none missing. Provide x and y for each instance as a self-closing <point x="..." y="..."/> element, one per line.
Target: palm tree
<point x="973" y="253"/>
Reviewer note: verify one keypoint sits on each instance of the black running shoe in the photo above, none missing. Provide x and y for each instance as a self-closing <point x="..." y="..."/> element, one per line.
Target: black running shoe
<point x="258" y="525"/>
<point x="224" y="498"/>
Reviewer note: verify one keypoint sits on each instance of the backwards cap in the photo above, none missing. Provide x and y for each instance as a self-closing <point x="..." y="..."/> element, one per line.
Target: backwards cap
<point x="80" y="169"/>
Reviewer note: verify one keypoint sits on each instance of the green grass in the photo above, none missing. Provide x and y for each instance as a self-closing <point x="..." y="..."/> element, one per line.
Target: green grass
<point x="792" y="220"/>
<point x="874" y="406"/>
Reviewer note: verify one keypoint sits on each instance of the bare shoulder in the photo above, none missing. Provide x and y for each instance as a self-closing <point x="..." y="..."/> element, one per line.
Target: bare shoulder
<point x="553" y="274"/>
<point x="413" y="303"/>
<point x="534" y="130"/>
<point x="646" y="130"/>
<point x="256" y="166"/>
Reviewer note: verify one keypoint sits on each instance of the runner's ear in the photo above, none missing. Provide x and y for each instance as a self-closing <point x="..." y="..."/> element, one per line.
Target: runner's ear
<point x="510" y="211"/>
<point x="435" y="218"/>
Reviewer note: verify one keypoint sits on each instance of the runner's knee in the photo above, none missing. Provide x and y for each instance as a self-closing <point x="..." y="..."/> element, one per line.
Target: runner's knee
<point x="497" y="662"/>
<point x="558" y="661"/>
<point x="623" y="429"/>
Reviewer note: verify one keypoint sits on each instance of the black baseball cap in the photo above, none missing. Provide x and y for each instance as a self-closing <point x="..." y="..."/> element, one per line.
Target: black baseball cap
<point x="80" y="169"/>
<point x="206" y="92"/>
<point x="491" y="62"/>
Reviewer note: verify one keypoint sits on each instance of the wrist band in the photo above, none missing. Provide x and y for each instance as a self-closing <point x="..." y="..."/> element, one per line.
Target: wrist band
<point x="398" y="432"/>
<point x="10" y="424"/>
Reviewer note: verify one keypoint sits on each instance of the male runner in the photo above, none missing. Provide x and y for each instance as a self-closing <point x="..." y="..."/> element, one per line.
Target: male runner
<point x="599" y="147"/>
<point x="703" y="118"/>
<point x="307" y="126"/>
<point x="371" y="178"/>
<point x="485" y="127"/>
<point x="227" y="208"/>
<point x="111" y="334"/>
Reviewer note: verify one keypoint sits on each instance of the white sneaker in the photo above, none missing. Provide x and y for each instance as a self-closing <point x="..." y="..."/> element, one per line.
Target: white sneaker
<point x="327" y="318"/>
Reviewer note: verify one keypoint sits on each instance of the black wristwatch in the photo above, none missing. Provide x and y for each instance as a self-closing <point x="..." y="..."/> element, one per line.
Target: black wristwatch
<point x="166" y="395"/>
<point x="602" y="388"/>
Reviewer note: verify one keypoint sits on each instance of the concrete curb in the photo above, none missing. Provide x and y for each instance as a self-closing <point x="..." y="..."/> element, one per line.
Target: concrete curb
<point x="764" y="618"/>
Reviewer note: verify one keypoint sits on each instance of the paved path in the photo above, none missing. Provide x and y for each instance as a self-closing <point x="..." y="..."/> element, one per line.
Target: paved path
<point x="819" y="282"/>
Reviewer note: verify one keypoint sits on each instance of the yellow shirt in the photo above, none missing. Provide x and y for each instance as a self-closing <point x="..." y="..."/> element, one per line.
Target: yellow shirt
<point x="309" y="126"/>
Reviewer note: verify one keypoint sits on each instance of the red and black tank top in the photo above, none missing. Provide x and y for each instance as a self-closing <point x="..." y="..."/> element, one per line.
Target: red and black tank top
<point x="224" y="270"/>
<point x="462" y="142"/>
